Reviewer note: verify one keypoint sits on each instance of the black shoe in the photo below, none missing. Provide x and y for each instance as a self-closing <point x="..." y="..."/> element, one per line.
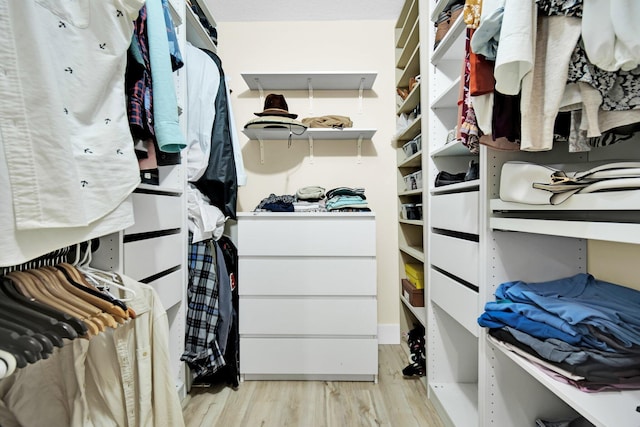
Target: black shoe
<point x="416" y="369"/>
<point x="473" y="172"/>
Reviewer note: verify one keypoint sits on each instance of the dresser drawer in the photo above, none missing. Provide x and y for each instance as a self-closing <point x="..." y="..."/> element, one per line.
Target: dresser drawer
<point x="456" y="211"/>
<point x="457" y="300"/>
<point x="308" y="356"/>
<point x="144" y="258"/>
<point x="308" y="316"/>
<point x="154" y="212"/>
<point x="307" y="235"/>
<point x="307" y="275"/>
<point x="457" y="256"/>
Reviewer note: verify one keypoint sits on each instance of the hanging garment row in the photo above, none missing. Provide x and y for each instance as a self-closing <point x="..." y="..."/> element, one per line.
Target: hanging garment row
<point x="104" y="367"/>
<point x="43" y="306"/>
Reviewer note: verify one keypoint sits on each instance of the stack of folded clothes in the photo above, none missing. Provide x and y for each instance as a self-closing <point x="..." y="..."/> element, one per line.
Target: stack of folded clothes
<point x="275" y="203"/>
<point x="309" y="199"/>
<point x="578" y="330"/>
<point x="346" y="199"/>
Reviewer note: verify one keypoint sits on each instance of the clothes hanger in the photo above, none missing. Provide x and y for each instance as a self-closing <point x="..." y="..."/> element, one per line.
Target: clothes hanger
<point x="73" y="327"/>
<point x="51" y="284"/>
<point x="37" y="321"/>
<point x="25" y="286"/>
<point x="77" y="279"/>
<point x="27" y="346"/>
<point x="35" y="284"/>
<point x="102" y="277"/>
<point x="84" y="293"/>
<point x="13" y="324"/>
<point x="10" y="363"/>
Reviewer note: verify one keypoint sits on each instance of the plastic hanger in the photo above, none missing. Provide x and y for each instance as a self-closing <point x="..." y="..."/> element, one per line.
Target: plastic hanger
<point x="76" y="278"/>
<point x="10" y="364"/>
<point x="27" y="346"/>
<point x="46" y="343"/>
<point x="74" y="328"/>
<point x="99" y="277"/>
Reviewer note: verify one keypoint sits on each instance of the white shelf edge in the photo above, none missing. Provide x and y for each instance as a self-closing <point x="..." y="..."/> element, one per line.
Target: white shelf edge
<point x="282" y="134"/>
<point x="411" y="101"/>
<point x="175" y="15"/>
<point x="160" y="189"/>
<point x="439" y="7"/>
<point x="320" y="80"/>
<point x="603" y="201"/>
<point x="454" y="188"/>
<point x="599" y="408"/>
<point x="412" y="222"/>
<point x="454" y="34"/>
<point x="196" y="34"/>
<point x="413" y="251"/>
<point x="416" y="192"/>
<point x="457" y="401"/>
<point x="418" y="312"/>
<point x="413" y="160"/>
<point x="444" y="99"/>
<point x="413" y="130"/>
<point x="607" y="231"/>
<point x="454" y="148"/>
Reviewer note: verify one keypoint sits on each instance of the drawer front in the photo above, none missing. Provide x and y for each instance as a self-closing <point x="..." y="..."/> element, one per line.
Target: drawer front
<point x="307" y="236"/>
<point x="457" y="256"/>
<point x="170" y="288"/>
<point x="307" y="276"/>
<point x="155" y="212"/>
<point x="457" y="212"/>
<point x="458" y="301"/>
<point x="308" y="316"/>
<point x="311" y="356"/>
<point x="144" y="258"/>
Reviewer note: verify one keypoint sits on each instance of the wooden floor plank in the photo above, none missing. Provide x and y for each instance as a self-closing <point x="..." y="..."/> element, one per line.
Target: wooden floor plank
<point x="394" y="402"/>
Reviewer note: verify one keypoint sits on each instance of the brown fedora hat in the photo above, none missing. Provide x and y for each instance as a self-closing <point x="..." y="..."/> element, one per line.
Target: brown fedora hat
<point x="275" y="105"/>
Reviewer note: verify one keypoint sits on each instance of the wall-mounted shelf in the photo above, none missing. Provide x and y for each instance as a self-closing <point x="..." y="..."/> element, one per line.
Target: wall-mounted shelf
<point x="311" y="134"/>
<point x="319" y="80"/>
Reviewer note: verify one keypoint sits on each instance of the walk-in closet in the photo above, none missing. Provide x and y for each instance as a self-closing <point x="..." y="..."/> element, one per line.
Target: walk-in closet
<point x="396" y="213"/>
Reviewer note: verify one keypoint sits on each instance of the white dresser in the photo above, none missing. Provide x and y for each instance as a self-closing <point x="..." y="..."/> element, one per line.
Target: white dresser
<point x="307" y="286"/>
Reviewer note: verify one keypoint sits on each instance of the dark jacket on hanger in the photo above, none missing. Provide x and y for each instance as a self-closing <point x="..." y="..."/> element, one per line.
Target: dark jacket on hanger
<point x="219" y="182"/>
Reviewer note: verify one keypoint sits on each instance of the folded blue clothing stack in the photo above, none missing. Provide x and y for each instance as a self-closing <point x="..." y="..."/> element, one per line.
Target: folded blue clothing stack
<point x="347" y="199"/>
<point x="585" y="331"/>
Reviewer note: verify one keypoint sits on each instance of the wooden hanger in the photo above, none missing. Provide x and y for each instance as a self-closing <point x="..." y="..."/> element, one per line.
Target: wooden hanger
<point x="52" y="284"/>
<point x="73" y="326"/>
<point x="84" y="292"/>
<point x="26" y="285"/>
<point x="28" y="313"/>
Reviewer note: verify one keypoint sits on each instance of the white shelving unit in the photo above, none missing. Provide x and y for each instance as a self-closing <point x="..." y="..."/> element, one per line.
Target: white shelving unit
<point x="410" y="231"/>
<point x="538" y="243"/>
<point x="454" y="241"/>
<point x="476" y="242"/>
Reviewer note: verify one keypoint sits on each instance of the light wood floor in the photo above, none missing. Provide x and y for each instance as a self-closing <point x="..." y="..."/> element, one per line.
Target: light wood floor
<point x="395" y="401"/>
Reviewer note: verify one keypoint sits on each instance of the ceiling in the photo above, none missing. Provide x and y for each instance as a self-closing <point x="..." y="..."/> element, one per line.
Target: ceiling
<point x="303" y="10"/>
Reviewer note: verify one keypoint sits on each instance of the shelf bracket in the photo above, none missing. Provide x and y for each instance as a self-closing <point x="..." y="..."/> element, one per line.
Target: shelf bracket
<point x="310" y="149"/>
<point x="310" y="95"/>
<point x="359" y="158"/>
<point x="360" y="91"/>
<point x="260" y="140"/>
<point x="261" y="93"/>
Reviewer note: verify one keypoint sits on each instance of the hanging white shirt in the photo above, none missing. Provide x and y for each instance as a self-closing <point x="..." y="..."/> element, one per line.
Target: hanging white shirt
<point x="68" y="158"/>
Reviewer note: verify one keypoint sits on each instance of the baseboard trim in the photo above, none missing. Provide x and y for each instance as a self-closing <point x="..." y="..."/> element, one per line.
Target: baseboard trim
<point x="389" y="333"/>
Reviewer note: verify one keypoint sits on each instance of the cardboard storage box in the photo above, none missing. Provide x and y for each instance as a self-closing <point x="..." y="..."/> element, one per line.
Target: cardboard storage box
<point x="413" y="295"/>
<point x="415" y="274"/>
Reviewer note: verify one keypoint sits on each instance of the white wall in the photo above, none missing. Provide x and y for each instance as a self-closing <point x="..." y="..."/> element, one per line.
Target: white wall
<point x="323" y="46"/>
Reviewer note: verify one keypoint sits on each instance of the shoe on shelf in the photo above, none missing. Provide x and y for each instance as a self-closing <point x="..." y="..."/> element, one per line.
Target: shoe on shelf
<point x="473" y="172"/>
